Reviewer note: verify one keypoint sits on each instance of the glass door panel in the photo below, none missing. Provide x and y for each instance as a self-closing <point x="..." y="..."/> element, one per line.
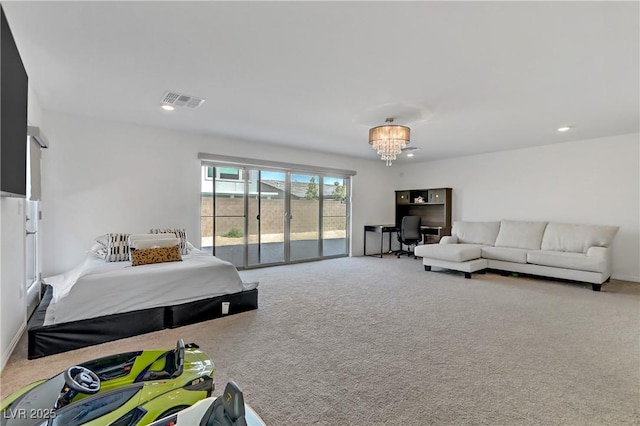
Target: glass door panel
<point x="304" y="217"/>
<point x="334" y="216"/>
<point x="266" y="217"/>
<point x="206" y="209"/>
<point x="228" y="213"/>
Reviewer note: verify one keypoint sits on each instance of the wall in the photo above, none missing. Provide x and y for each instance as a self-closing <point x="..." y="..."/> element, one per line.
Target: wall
<point x="102" y="176"/>
<point x="591" y="181"/>
<point x="13" y="302"/>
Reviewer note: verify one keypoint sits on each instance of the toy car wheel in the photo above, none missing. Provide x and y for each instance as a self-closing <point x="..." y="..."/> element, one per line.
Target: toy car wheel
<point x="82" y="380"/>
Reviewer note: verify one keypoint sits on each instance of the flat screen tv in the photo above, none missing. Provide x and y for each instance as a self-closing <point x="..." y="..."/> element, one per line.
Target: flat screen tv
<point x="13" y="115"/>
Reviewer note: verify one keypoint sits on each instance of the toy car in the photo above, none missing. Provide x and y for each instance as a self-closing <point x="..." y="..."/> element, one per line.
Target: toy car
<point x="127" y="389"/>
<point x="228" y="409"/>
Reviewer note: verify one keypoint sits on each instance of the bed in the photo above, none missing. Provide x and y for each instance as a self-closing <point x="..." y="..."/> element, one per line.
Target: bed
<point x="100" y="301"/>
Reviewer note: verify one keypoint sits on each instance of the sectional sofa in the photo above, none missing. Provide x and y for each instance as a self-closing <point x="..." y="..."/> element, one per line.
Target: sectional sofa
<point x="559" y="250"/>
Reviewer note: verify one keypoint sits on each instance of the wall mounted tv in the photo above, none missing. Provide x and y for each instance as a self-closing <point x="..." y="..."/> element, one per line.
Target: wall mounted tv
<point x="13" y="115"/>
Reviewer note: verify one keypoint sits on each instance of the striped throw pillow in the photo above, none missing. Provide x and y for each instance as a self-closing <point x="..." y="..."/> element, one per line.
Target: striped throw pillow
<point x="180" y="233"/>
<point x="117" y="247"/>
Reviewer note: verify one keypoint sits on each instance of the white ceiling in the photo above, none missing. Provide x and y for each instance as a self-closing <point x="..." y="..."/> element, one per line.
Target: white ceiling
<point x="467" y="77"/>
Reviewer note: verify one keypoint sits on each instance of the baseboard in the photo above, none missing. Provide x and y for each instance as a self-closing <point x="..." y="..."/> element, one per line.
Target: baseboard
<point x="7" y="353"/>
<point x="625" y="278"/>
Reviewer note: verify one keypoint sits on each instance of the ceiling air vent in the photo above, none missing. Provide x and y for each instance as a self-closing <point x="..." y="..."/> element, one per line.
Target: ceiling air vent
<point x="181" y="100"/>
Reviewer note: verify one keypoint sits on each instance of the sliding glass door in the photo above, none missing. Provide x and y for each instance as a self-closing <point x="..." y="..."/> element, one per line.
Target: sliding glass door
<point x="266" y="217"/>
<point x="304" y="218"/>
<point x="255" y="217"/>
<point x="334" y="216"/>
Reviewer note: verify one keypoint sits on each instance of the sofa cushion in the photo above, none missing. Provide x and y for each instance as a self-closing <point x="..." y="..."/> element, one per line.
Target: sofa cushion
<point x="476" y="232"/>
<point x="450" y="252"/>
<point x="576" y="238"/>
<point x="567" y="260"/>
<point x="507" y="254"/>
<point x="520" y="234"/>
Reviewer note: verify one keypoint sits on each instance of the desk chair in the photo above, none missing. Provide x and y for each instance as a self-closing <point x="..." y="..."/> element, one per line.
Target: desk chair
<point x="409" y="235"/>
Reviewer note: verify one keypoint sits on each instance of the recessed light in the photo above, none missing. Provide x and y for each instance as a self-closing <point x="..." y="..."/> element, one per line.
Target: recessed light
<point x="564" y="128"/>
<point x="411" y="154"/>
<point x="168" y="107"/>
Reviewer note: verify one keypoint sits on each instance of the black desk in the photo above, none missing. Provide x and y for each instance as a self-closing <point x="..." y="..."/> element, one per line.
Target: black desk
<point x="379" y="229"/>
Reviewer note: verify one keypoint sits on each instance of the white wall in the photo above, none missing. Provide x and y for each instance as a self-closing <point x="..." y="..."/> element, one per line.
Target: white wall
<point x="101" y="177"/>
<point x="591" y="181"/>
<point x="13" y="304"/>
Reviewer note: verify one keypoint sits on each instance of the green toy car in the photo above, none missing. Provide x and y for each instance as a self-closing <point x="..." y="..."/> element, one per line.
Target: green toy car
<point x="127" y="389"/>
<point x="228" y="409"/>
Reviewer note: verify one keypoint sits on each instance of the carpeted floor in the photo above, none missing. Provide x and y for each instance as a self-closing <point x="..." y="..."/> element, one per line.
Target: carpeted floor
<point x="367" y="341"/>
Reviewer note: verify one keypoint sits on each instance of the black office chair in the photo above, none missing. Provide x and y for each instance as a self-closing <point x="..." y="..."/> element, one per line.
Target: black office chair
<point x="409" y="235"/>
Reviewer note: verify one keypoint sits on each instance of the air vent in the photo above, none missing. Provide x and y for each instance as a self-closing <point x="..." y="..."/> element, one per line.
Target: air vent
<point x="181" y="100"/>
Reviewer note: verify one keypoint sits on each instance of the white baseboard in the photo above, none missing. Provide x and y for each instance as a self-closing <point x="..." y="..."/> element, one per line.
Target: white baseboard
<point x="626" y="278"/>
<point x="7" y="353"/>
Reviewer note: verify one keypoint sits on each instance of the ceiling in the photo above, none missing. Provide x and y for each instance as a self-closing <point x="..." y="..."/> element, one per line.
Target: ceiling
<point x="467" y="77"/>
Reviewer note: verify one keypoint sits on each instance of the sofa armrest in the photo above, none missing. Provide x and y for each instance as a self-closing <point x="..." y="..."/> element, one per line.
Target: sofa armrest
<point x="449" y="239"/>
<point x="603" y="253"/>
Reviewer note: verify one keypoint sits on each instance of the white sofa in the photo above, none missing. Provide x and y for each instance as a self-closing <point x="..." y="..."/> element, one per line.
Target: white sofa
<point x="550" y="249"/>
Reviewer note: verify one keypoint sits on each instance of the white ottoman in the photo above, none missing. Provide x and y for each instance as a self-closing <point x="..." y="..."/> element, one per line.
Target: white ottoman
<point x="459" y="257"/>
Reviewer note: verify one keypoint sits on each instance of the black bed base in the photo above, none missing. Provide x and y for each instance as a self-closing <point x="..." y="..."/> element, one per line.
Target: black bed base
<point x="52" y="339"/>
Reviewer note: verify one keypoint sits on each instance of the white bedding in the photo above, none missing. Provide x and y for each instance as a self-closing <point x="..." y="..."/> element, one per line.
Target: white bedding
<point x="97" y="288"/>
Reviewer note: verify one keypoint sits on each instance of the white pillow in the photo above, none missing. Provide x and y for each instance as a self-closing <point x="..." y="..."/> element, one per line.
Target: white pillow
<point x="520" y="234"/>
<point x="178" y="232"/>
<point x="476" y="232"/>
<point x="139" y="237"/>
<point x="99" y="250"/>
<point x="153" y="242"/>
<point x="577" y="238"/>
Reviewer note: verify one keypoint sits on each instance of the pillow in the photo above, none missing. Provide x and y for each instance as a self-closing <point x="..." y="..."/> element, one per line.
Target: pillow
<point x="476" y="232"/>
<point x="99" y="250"/>
<point x="147" y="241"/>
<point x="577" y="238"/>
<point x="520" y="234"/>
<point x="117" y="247"/>
<point x="165" y="241"/>
<point x="180" y="233"/>
<point x="155" y="255"/>
<point x="102" y="239"/>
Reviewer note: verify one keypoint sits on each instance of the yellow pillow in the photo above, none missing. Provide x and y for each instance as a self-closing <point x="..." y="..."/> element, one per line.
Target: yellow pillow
<point x="155" y="255"/>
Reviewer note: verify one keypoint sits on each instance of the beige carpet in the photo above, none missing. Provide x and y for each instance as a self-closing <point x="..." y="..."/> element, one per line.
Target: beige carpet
<point x="366" y="341"/>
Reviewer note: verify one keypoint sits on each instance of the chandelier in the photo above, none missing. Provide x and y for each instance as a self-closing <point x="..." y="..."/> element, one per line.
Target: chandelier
<point x="389" y="140"/>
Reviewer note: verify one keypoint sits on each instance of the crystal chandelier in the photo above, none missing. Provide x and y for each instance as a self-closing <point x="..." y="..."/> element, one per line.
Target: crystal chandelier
<point x="389" y="140"/>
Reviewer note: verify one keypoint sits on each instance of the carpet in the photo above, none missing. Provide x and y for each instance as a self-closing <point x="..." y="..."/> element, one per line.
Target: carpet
<point x="368" y="341"/>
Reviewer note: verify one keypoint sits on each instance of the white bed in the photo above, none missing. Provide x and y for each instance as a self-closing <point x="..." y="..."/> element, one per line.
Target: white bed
<point x="97" y="288"/>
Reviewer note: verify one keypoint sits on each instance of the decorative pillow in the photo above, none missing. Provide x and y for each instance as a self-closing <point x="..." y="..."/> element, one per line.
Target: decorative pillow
<point x="117" y="247"/>
<point x="99" y="250"/>
<point x="147" y="241"/>
<point x="178" y="232"/>
<point x="102" y="239"/>
<point x="155" y="255"/>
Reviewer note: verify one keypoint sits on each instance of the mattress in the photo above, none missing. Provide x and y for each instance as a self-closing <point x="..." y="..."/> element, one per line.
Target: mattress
<point x="96" y="288"/>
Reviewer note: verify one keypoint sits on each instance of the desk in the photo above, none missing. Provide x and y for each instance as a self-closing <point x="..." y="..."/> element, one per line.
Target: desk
<point x="379" y="229"/>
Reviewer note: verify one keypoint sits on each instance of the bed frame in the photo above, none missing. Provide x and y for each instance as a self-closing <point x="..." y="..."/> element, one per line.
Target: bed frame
<point x="56" y="338"/>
